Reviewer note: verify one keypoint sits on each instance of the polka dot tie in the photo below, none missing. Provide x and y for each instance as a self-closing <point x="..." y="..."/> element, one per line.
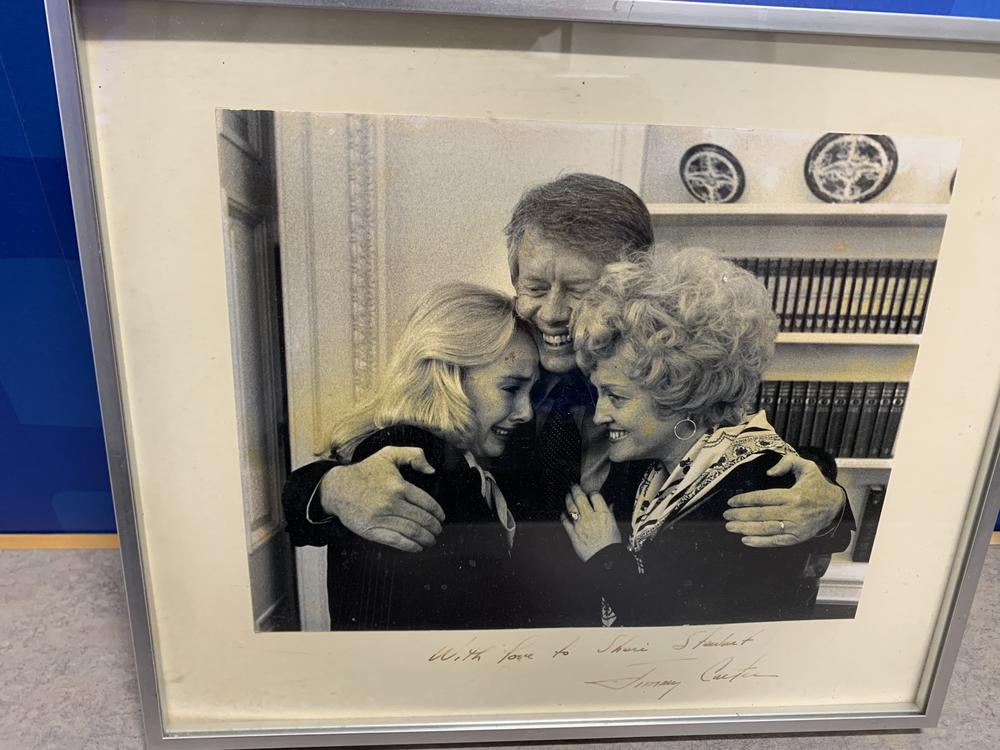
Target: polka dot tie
<point x="559" y="448"/>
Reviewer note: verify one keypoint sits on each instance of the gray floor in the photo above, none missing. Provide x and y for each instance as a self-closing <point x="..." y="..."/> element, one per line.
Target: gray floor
<point x="66" y="679"/>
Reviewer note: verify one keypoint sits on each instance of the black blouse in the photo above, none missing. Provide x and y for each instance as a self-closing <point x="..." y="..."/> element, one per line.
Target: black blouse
<point x="695" y="572"/>
<point x="466" y="580"/>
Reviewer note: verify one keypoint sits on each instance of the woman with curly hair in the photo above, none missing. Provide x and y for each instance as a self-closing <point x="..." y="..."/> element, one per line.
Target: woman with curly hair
<point x="677" y="356"/>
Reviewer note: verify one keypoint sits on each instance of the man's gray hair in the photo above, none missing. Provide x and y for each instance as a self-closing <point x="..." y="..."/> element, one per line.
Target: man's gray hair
<point x="600" y="218"/>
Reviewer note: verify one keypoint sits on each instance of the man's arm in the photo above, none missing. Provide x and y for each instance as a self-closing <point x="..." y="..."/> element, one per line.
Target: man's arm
<point x="297" y="497"/>
<point x="369" y="498"/>
<point x="814" y="508"/>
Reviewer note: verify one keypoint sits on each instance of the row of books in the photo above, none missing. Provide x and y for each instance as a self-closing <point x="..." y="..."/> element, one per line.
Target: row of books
<point x="846" y="295"/>
<point x="845" y="419"/>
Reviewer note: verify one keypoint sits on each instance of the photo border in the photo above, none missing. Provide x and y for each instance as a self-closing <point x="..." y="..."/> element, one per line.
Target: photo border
<point x="978" y="526"/>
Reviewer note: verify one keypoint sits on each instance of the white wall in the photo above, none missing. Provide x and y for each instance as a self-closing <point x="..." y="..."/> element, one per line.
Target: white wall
<point x="376" y="210"/>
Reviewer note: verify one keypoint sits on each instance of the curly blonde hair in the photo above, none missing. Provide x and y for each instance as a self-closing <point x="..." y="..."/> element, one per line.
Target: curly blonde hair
<point x="699" y="331"/>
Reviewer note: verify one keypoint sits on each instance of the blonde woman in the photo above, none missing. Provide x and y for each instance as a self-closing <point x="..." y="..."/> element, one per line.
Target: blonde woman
<point x="676" y="356"/>
<point x="456" y="386"/>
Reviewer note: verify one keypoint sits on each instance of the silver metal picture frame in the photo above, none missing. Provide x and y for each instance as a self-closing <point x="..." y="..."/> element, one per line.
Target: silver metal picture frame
<point x="78" y="28"/>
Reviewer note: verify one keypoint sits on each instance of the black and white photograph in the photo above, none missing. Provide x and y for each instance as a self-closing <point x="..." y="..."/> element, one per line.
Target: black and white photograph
<point x="497" y="373"/>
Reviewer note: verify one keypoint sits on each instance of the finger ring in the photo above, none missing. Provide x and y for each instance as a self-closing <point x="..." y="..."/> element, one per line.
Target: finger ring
<point x="574" y="514"/>
<point x="782" y="524"/>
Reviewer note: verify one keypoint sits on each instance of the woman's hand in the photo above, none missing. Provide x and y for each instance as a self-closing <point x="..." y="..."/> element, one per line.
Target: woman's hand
<point x="589" y="523"/>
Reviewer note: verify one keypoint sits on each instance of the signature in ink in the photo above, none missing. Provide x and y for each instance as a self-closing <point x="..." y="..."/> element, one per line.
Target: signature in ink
<point x="725" y="671"/>
<point x="646" y="680"/>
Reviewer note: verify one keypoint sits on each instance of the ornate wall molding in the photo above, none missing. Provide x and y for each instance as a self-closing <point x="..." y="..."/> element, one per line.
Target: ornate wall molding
<point x="364" y="231"/>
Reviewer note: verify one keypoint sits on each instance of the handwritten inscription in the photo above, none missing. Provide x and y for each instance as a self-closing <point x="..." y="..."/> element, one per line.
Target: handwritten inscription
<point x="624" y="645"/>
<point x="706" y="657"/>
<point x="712" y="639"/>
<point x="729" y="670"/>
<point x="464" y="653"/>
<point x="518" y="653"/>
<point x="564" y="650"/>
<point x="644" y="680"/>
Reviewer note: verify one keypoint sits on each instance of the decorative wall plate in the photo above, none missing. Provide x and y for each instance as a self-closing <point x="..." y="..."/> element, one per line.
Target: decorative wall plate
<point x="712" y="174"/>
<point x="850" y="167"/>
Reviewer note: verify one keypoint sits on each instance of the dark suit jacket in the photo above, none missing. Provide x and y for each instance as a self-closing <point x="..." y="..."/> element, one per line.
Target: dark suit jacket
<point x="466" y="580"/>
<point x="697" y="572"/>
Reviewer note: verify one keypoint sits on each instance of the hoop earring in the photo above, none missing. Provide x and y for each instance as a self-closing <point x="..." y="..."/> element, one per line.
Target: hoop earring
<point x="694" y="429"/>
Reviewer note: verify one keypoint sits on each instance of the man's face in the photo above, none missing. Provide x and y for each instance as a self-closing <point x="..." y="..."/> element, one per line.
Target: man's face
<point x="551" y="281"/>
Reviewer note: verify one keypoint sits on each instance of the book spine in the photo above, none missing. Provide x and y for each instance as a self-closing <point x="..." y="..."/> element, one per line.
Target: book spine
<point x="796" y="405"/>
<point x="881" y="419"/>
<point x="869" y="279"/>
<point x="923" y="295"/>
<point x="866" y="424"/>
<point x="885" y="309"/>
<point x="854" y="404"/>
<point x="895" y="417"/>
<point x="781" y="406"/>
<point x="838" y="415"/>
<point x="773" y="266"/>
<point x="902" y="273"/>
<point x="821" y="424"/>
<point x="769" y="399"/>
<point x="856" y="272"/>
<point x="808" y="413"/>
<point x="869" y="523"/>
<point x="791" y="294"/>
<point x="836" y="292"/>
<point x="878" y="294"/>
<point x="781" y="290"/>
<point x="817" y="321"/>
<point x="909" y="295"/>
<point x="808" y="291"/>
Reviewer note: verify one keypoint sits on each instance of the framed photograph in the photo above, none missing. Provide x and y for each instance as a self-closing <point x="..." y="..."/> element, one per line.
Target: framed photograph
<point x="479" y="374"/>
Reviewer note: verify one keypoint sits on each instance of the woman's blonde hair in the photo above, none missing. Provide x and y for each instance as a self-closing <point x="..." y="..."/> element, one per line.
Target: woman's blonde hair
<point x="699" y="330"/>
<point x="454" y="327"/>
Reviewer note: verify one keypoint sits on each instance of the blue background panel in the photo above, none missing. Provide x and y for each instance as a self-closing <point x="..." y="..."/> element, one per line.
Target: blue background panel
<point x="989" y="9"/>
<point x="53" y="476"/>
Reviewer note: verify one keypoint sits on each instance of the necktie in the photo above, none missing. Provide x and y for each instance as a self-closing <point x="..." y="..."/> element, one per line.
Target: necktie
<point x="494" y="499"/>
<point x="559" y="446"/>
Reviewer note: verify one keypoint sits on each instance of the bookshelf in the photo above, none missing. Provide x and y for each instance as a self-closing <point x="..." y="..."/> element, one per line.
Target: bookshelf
<point x="778" y="218"/>
<point x="821" y="214"/>
<point x="867" y="232"/>
<point x="850" y="339"/>
<point x="866" y="464"/>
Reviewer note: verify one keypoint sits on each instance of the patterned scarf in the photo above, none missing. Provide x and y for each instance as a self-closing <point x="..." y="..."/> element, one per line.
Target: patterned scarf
<point x="665" y="497"/>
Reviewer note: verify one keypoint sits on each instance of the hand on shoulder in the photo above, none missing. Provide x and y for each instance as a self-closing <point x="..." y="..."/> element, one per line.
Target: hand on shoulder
<point x="372" y="499"/>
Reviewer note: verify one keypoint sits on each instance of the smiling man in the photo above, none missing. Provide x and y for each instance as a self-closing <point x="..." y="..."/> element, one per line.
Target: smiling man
<point x="560" y="237"/>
